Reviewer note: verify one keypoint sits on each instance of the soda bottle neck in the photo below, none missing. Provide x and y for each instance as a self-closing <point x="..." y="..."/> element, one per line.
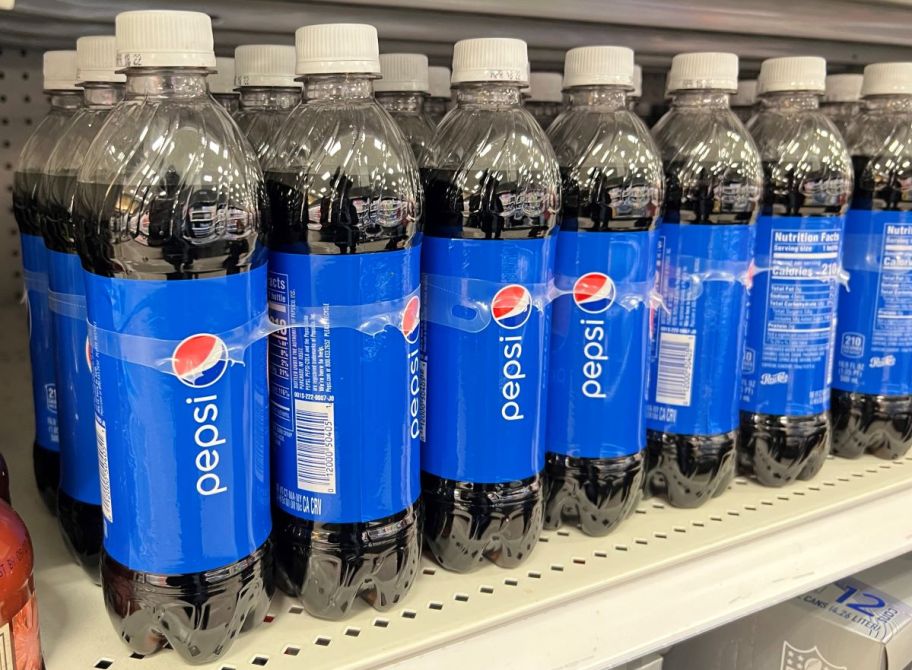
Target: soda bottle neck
<point x="407" y="102"/>
<point x="888" y="104"/>
<point x="257" y="98"/>
<point x="331" y="87"/>
<point x="790" y="101"/>
<point x="598" y="98"/>
<point x="102" y="95"/>
<point x="489" y="94"/>
<point x="68" y="100"/>
<point x="167" y="83"/>
<point x="700" y="98"/>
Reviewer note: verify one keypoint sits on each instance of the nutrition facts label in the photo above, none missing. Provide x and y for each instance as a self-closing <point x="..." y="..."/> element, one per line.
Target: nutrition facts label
<point x="893" y="320"/>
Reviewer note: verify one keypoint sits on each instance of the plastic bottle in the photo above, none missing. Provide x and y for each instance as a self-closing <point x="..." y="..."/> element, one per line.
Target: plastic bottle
<point x="167" y="212"/>
<point x="265" y="77"/>
<point x="438" y="102"/>
<point x="606" y="253"/>
<point x="222" y="85"/>
<point x="744" y="102"/>
<point x="634" y="96"/>
<point x="842" y="100"/>
<point x="402" y="91"/>
<point x="492" y="194"/>
<point x="79" y="497"/>
<point x="785" y="393"/>
<point x="713" y="182"/>
<point x="545" y="99"/>
<point x="66" y="99"/>
<point x="344" y="393"/>
<point x="872" y="384"/>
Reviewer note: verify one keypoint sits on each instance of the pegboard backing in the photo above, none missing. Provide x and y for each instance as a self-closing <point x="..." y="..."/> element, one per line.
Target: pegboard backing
<point x="22" y="106"/>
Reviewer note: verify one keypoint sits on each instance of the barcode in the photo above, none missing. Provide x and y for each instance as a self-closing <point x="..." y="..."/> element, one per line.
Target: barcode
<point x="675" y="375"/>
<point x="315" y="444"/>
<point x="101" y="443"/>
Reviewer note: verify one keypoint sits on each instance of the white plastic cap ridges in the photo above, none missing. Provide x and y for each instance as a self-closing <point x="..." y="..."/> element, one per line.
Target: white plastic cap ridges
<point x="843" y="87"/>
<point x="490" y="59"/>
<point x="637" y="91"/>
<point x="403" y="72"/>
<point x="792" y="73"/>
<point x="59" y="69"/>
<point x="222" y="80"/>
<point x="598" y="66"/>
<point x="267" y="65"/>
<point x="96" y="59"/>
<point x="439" y="80"/>
<point x="710" y="70"/>
<point x="545" y="87"/>
<point x="164" y="38"/>
<point x="887" y="79"/>
<point x="337" y="48"/>
<point x="746" y="95"/>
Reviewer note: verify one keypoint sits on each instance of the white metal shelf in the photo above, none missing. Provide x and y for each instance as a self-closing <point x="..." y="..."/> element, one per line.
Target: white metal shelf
<point x="578" y="602"/>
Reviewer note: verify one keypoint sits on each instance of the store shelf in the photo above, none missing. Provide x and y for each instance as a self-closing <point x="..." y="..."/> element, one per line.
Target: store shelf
<point x="577" y="603"/>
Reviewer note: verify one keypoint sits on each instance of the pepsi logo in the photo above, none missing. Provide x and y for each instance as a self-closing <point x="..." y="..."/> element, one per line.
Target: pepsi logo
<point x="512" y="306"/>
<point x="411" y="317"/>
<point x="594" y="292"/>
<point x="200" y="360"/>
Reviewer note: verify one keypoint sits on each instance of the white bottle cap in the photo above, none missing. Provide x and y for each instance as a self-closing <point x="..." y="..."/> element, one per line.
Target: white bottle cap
<point x="704" y="70"/>
<point x="268" y="65"/>
<point x="595" y="66"/>
<point x="403" y="72"/>
<point x="746" y="95"/>
<point x="59" y="69"/>
<point x="490" y="59"/>
<point x="337" y="48"/>
<point x="545" y="87"/>
<point x="843" y="87"/>
<point x="887" y="79"/>
<point x="222" y="80"/>
<point x="637" y="91"/>
<point x="439" y="79"/>
<point x="96" y="59"/>
<point x="798" y="73"/>
<point x="164" y="38"/>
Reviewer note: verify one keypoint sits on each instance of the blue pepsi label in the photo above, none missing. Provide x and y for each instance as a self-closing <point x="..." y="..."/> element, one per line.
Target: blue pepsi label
<point x="182" y="454"/>
<point x="792" y="321"/>
<point x="344" y="402"/>
<point x="485" y="385"/>
<point x="599" y="343"/>
<point x="41" y="342"/>
<point x="76" y="413"/>
<point x="874" y="331"/>
<point x="696" y="357"/>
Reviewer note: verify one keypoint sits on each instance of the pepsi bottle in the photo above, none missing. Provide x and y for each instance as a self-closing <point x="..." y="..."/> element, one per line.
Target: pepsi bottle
<point x="439" y="100"/>
<point x="545" y="101"/>
<point x="492" y="194"/>
<point x="713" y="180"/>
<point x="265" y="75"/>
<point x="785" y="391"/>
<point x="66" y="99"/>
<point x="79" y="497"/>
<point x="344" y="269"/>
<point x="872" y="384"/>
<point x="842" y="100"/>
<point x="744" y="101"/>
<point x="167" y="215"/>
<point x="403" y="91"/>
<point x="605" y="270"/>
<point x="222" y="85"/>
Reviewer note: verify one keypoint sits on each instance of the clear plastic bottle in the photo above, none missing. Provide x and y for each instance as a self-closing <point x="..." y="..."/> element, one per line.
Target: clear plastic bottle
<point x="606" y="252"/>
<point x="492" y="190"/>
<point x="265" y="77"/>
<point x="438" y="102"/>
<point x="79" y="497"/>
<point x="713" y="184"/>
<point x="785" y="393"/>
<point x="635" y="95"/>
<point x="66" y="100"/>
<point x="744" y="102"/>
<point x="344" y="238"/>
<point x="545" y="99"/>
<point x="842" y="100"/>
<point x="168" y="212"/>
<point x="872" y="384"/>
<point x="222" y="84"/>
<point x="403" y="91"/>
